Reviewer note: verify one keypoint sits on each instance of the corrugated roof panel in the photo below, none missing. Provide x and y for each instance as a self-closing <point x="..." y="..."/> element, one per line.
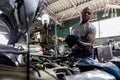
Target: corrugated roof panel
<point x="60" y="7"/>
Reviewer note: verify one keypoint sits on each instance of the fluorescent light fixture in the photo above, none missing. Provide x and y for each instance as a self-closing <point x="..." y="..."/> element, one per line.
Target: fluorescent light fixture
<point x="45" y="19"/>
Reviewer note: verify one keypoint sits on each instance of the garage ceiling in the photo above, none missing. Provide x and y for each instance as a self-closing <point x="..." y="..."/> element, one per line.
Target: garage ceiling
<point x="62" y="10"/>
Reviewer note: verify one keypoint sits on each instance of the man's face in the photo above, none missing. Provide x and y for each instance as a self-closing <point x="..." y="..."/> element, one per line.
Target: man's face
<point x="86" y="15"/>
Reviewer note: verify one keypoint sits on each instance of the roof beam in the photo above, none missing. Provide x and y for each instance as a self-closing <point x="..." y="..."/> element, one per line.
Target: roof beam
<point x="48" y="10"/>
<point x="70" y="17"/>
<point x="70" y="8"/>
<point x="113" y="6"/>
<point x="79" y="7"/>
<point x="55" y="20"/>
<point x="72" y="14"/>
<point x="51" y="2"/>
<point x="62" y="17"/>
<point x="72" y="3"/>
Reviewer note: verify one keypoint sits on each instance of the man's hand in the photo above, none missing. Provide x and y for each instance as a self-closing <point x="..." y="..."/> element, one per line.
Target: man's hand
<point x="60" y="39"/>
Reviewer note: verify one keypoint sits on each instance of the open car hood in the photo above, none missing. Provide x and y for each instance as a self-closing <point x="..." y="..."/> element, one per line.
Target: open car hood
<point x="16" y="15"/>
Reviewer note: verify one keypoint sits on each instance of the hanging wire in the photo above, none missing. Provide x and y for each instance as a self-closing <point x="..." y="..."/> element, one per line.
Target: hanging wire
<point x="28" y="38"/>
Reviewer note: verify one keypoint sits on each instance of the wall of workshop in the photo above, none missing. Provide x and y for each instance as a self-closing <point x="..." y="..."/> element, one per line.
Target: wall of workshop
<point x="64" y="30"/>
<point x="104" y="41"/>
